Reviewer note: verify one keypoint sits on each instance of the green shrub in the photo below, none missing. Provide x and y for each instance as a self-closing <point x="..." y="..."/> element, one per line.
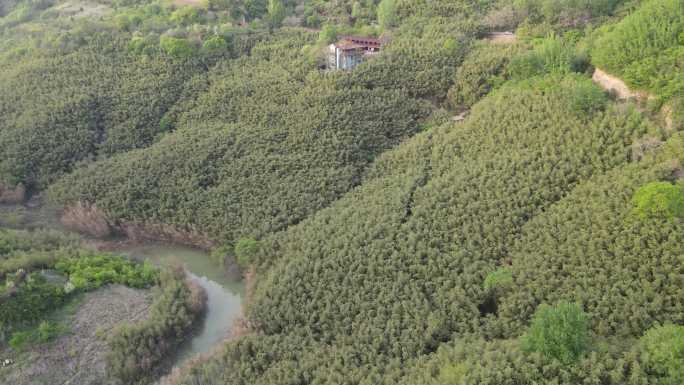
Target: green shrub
<point x="175" y="47"/>
<point x="44" y="332"/>
<point x="28" y="250"/>
<point x="387" y="13"/>
<point x="187" y="15"/>
<point x="644" y="48"/>
<point x="587" y="97"/>
<point x="215" y="45"/>
<point x="451" y="374"/>
<point x="91" y="272"/>
<point x="33" y="298"/>
<point x="136" y="350"/>
<point x="19" y="340"/>
<point x="328" y="34"/>
<point x="552" y="55"/>
<point x="221" y="254"/>
<point x="484" y="69"/>
<point x="498" y="279"/>
<point x="559" y="332"/>
<point x="565" y="12"/>
<point x="663" y="353"/>
<point x="246" y="251"/>
<point x="276" y="13"/>
<point x="25" y="304"/>
<point x="659" y="199"/>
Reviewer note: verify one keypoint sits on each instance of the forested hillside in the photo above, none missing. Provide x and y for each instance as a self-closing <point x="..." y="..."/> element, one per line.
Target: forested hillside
<point x="457" y="209"/>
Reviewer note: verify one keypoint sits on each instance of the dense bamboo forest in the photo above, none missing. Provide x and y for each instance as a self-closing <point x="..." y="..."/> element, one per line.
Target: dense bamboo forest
<point x="470" y="204"/>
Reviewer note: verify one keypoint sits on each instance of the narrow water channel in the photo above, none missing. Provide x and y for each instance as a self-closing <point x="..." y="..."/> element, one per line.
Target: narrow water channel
<point x="224" y="290"/>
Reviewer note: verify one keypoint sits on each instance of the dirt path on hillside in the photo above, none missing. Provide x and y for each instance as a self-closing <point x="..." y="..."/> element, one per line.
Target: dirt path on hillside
<point x="78" y="357"/>
<point x="501" y="37"/>
<point x="613" y="84"/>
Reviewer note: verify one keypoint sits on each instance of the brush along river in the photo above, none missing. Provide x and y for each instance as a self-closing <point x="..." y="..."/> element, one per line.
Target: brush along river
<point x="224" y="288"/>
<point x="224" y="292"/>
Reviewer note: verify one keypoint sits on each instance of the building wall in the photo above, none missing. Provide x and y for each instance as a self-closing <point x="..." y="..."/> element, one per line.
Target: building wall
<point x="343" y="60"/>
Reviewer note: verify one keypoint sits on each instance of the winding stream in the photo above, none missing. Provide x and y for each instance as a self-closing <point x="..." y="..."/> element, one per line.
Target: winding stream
<point x="224" y="292"/>
<point x="224" y="289"/>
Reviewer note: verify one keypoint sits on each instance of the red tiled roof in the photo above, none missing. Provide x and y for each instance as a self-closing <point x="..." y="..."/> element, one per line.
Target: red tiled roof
<point x="365" y="41"/>
<point x="348" y="45"/>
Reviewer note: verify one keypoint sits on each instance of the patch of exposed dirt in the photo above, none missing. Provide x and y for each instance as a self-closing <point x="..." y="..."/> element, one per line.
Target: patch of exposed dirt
<point x="614" y="85"/>
<point x="90" y="220"/>
<point x="460" y="117"/>
<point x="79" y="356"/>
<point x="12" y="195"/>
<point x="86" y="219"/>
<point x="502" y="37"/>
<point x="82" y="9"/>
<point x="140" y="232"/>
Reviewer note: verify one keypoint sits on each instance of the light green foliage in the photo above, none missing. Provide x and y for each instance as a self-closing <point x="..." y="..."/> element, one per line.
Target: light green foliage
<point x="34" y="297"/>
<point x="186" y="15"/>
<point x="276" y="13"/>
<point x="328" y="34"/>
<point x="587" y="97"/>
<point x="452" y="374"/>
<point x="659" y="199"/>
<point x="498" y="279"/>
<point x="645" y="48"/>
<point x="560" y="332"/>
<point x="90" y="272"/>
<point x="44" y="332"/>
<point x="175" y="47"/>
<point x="215" y="45"/>
<point x="357" y="10"/>
<point x="387" y="13"/>
<point x="552" y="55"/>
<point x="582" y="95"/>
<point x="246" y="251"/>
<point x="565" y="12"/>
<point x="484" y="69"/>
<point x="32" y="250"/>
<point x="663" y="353"/>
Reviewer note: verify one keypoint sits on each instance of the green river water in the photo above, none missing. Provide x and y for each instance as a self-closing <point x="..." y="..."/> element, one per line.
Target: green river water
<point x="224" y="290"/>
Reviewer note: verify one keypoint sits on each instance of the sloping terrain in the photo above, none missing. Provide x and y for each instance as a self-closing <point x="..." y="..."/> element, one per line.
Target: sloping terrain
<point x="538" y="239"/>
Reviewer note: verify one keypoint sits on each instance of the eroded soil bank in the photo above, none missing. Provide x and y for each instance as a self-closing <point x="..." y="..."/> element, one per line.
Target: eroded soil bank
<point x="90" y="220"/>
